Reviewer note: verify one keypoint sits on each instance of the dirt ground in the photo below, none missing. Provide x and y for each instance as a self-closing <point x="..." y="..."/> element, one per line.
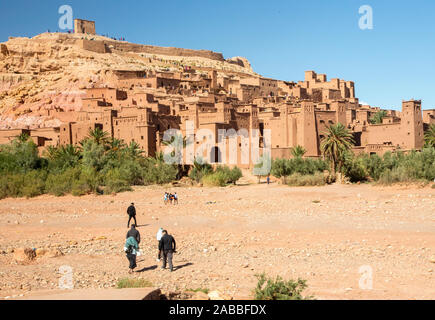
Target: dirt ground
<point x="225" y="236"/>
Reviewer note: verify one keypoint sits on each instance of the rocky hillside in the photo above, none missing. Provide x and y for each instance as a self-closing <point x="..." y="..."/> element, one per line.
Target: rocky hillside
<point x="51" y="70"/>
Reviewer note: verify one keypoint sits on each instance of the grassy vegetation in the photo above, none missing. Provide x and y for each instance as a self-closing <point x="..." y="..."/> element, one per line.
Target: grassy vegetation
<point x="99" y="165"/>
<point x="103" y="165"/>
<point x="220" y="177"/>
<point x="133" y="283"/>
<point x="279" y="289"/>
<point x="299" y="180"/>
<point x="283" y="168"/>
<point x="392" y="168"/>
<point x="399" y="167"/>
<point x="203" y="290"/>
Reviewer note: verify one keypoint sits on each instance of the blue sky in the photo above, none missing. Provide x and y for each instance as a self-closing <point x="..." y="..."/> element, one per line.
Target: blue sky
<point x="393" y="61"/>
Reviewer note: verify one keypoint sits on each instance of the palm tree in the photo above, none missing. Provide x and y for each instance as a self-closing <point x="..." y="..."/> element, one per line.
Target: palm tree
<point x="64" y="156"/>
<point x="298" y="151"/>
<point x="263" y="166"/>
<point x="180" y="143"/>
<point x="158" y="158"/>
<point x="68" y="151"/>
<point x="338" y="140"/>
<point x="51" y="152"/>
<point x="98" y="136"/>
<point x="429" y="136"/>
<point x="23" y="137"/>
<point x="200" y="169"/>
<point x="134" y="150"/>
<point x="378" y="116"/>
<point x="116" y="144"/>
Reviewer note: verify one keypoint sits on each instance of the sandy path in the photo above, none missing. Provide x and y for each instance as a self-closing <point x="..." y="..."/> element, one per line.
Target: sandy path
<point x="321" y="234"/>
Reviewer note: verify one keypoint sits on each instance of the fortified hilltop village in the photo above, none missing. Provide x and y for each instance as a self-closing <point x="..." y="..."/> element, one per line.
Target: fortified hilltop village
<point x="57" y="86"/>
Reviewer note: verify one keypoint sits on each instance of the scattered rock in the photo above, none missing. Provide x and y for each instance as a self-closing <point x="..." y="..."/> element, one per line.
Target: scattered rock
<point x="53" y="253"/>
<point x="40" y="252"/>
<point x="215" y="295"/>
<point x="200" y="296"/>
<point x="24" y="255"/>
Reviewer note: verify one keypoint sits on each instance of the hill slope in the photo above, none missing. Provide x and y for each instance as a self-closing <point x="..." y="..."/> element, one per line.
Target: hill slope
<point x="50" y="71"/>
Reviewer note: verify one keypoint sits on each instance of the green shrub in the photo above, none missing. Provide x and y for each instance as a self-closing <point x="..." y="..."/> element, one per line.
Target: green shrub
<point x="235" y="175"/>
<point x="10" y="185"/>
<point x="20" y="156"/>
<point x="200" y="169"/>
<point x="88" y="182"/>
<point x="297" y="179"/>
<point x="392" y="167"/>
<point x="62" y="157"/>
<point x="203" y="290"/>
<point x="217" y="179"/>
<point x="133" y="283"/>
<point x="229" y="175"/>
<point x="395" y="175"/>
<point x="222" y="176"/>
<point x="115" y="182"/>
<point x="30" y="184"/>
<point x="34" y="183"/>
<point x="158" y="173"/>
<point x="60" y="184"/>
<point x="307" y="166"/>
<point x="94" y="155"/>
<point x="355" y="168"/>
<point x="281" y="168"/>
<point x="278" y="289"/>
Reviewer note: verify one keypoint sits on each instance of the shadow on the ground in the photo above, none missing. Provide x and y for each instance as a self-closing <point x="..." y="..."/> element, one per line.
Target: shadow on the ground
<point x="147" y="269"/>
<point x="183" y="266"/>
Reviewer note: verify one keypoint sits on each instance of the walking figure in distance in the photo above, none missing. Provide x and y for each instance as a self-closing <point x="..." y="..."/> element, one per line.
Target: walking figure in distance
<point x="133" y="232"/>
<point x="167" y="246"/>
<point x="131" y="247"/>
<point x="131" y="211"/>
<point x="159" y="237"/>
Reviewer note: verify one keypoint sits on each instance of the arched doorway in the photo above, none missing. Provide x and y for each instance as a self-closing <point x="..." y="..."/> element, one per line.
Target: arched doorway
<point x="216" y="155"/>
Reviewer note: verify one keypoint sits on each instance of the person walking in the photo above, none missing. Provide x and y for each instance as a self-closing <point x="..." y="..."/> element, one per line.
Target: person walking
<point x="168" y="247"/>
<point x="159" y="237"/>
<point x="131" y="247"/>
<point x="131" y="211"/>
<point x="175" y="198"/>
<point x="133" y="232"/>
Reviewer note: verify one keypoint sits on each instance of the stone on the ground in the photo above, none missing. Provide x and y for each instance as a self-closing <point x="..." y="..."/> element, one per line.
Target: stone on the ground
<point x="23" y="255"/>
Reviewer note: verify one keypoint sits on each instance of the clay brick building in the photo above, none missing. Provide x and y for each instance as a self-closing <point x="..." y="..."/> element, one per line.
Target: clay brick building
<point x="84" y="26"/>
<point x="141" y="105"/>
